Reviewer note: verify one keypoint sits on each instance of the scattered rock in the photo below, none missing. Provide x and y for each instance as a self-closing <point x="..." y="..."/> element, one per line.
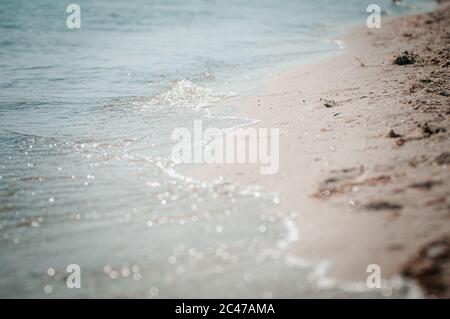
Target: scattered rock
<point x="431" y="268"/>
<point x="435" y="60"/>
<point x="415" y="87"/>
<point x="428" y="129"/>
<point x="360" y="62"/>
<point x="382" y="205"/>
<point x="437" y="250"/>
<point x="425" y="80"/>
<point x="405" y="58"/>
<point x="427" y="185"/>
<point x="443" y="159"/>
<point x="400" y="142"/>
<point x="330" y="103"/>
<point x="392" y="134"/>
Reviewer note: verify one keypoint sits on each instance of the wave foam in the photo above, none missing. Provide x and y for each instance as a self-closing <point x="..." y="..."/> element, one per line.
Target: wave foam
<point x="187" y="94"/>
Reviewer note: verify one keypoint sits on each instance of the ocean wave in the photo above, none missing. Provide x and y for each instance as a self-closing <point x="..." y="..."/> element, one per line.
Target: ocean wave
<point x="187" y="94"/>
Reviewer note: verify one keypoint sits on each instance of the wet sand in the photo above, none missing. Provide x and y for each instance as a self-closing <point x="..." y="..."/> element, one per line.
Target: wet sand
<point x="365" y="151"/>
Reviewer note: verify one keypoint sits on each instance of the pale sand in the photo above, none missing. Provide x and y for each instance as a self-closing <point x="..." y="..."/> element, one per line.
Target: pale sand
<point x="351" y="185"/>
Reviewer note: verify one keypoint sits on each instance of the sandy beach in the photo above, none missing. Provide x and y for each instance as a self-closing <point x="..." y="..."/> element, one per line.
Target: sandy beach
<point x="110" y="112"/>
<point x="364" y="151"/>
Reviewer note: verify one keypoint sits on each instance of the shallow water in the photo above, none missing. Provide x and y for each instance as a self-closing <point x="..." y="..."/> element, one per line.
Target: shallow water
<point x="85" y="123"/>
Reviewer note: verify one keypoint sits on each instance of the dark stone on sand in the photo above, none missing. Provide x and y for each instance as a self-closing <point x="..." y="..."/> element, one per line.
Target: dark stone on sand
<point x="405" y="58"/>
<point x="428" y="129"/>
<point x="330" y="103"/>
<point x="431" y="268"/>
<point x="427" y="185"/>
<point x="382" y="205"/>
<point x="400" y="142"/>
<point x="443" y="159"/>
<point x="392" y="134"/>
<point x="444" y="93"/>
<point x="425" y="80"/>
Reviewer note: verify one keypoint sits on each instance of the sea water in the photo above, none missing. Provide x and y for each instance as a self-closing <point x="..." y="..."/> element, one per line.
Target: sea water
<point x="85" y="122"/>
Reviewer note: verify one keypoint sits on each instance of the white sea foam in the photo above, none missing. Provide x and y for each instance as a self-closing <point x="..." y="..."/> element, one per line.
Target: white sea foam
<point x="292" y="233"/>
<point x="187" y="94"/>
<point x="320" y="278"/>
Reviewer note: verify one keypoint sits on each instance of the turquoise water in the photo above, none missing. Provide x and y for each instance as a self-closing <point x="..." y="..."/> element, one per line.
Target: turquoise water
<point x="85" y="123"/>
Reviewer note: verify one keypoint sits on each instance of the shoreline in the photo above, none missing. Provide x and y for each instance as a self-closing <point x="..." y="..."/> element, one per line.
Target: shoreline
<point x="368" y="177"/>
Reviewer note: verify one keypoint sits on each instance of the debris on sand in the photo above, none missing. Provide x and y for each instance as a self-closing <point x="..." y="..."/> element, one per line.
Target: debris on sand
<point x="408" y="35"/>
<point x="431" y="268"/>
<point x="428" y="129"/>
<point x="400" y="142"/>
<point x="427" y="185"/>
<point x="342" y="185"/>
<point x="382" y="205"/>
<point x="443" y="159"/>
<point x="405" y="58"/>
<point x="330" y="103"/>
<point x="425" y="80"/>
<point x="360" y="62"/>
<point x="444" y="93"/>
<point x="393" y="134"/>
